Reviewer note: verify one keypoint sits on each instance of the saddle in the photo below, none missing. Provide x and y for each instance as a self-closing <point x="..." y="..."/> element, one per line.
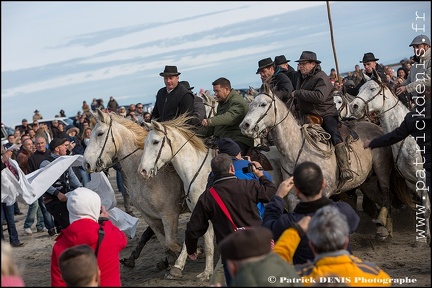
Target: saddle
<point x="255" y="154"/>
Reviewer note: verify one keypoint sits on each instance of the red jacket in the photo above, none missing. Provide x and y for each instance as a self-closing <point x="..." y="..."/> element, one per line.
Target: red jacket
<point x="86" y="231"/>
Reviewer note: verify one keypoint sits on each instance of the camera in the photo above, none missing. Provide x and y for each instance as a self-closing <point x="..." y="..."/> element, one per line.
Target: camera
<point x="248" y="169"/>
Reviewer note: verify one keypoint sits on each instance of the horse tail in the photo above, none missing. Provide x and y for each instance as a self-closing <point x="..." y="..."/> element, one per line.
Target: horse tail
<point x="401" y="189"/>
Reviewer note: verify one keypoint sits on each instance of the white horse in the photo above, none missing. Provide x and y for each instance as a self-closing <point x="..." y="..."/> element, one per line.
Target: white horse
<point x="375" y="97"/>
<point x="268" y="111"/>
<point x="173" y="142"/>
<point x="117" y="139"/>
<point x="342" y="104"/>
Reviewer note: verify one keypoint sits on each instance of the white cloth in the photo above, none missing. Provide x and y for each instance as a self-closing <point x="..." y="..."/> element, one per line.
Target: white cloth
<point x="100" y="184"/>
<point x="31" y="186"/>
<point x="83" y="203"/>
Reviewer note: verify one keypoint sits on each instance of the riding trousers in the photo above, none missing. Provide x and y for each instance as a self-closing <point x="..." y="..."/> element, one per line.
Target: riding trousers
<point x="330" y="125"/>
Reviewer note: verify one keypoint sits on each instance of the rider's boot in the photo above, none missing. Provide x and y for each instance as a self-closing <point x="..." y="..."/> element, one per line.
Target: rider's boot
<point x="342" y="160"/>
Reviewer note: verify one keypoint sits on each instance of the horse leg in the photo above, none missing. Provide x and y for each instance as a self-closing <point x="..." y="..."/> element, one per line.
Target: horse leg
<point x="176" y="271"/>
<point x="208" y="251"/>
<point x="145" y="237"/>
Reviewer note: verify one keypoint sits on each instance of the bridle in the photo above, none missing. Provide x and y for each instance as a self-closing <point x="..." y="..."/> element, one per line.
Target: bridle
<point x="366" y="102"/>
<point x="212" y="110"/>
<point x="167" y="140"/>
<point x="99" y="162"/>
<point x="256" y="128"/>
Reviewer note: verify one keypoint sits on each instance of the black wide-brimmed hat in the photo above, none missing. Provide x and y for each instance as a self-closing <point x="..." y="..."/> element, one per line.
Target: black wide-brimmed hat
<point x="170" y="71"/>
<point x="281" y="60"/>
<point x="308" y="56"/>
<point x="367" y="57"/>
<point x="263" y="63"/>
<point x="186" y="85"/>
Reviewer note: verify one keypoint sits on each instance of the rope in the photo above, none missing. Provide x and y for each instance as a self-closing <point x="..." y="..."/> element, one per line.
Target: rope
<point x="314" y="133"/>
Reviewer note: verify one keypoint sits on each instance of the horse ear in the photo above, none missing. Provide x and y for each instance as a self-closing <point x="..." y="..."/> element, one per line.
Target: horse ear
<point x="366" y="77"/>
<point x="376" y="75"/>
<point x="99" y="115"/>
<point x="148" y="125"/>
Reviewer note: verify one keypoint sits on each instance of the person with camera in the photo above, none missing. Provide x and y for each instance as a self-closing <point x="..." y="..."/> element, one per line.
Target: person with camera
<point x="240" y="196"/>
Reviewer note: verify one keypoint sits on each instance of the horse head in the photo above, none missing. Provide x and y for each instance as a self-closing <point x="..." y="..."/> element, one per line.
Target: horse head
<point x="370" y="98"/>
<point x="210" y="104"/>
<point x="260" y="115"/>
<point x="106" y="140"/>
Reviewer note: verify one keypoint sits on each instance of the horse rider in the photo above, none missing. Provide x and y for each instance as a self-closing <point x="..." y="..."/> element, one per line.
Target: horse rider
<point x="315" y="97"/>
<point x="279" y="82"/>
<point x="173" y="100"/>
<point x="370" y="64"/>
<point x="282" y="63"/>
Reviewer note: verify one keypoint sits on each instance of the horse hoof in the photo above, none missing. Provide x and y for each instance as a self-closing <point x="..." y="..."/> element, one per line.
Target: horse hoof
<point x="128" y="262"/>
<point x="174" y="273"/>
<point x="382" y="233"/>
<point x="204" y="276"/>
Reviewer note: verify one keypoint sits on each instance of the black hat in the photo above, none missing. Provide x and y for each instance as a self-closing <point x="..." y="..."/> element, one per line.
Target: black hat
<point x="186" y="85"/>
<point x="264" y="63"/>
<point x="308" y="56"/>
<point x="56" y="142"/>
<point x="281" y="60"/>
<point x="228" y="146"/>
<point x="247" y="243"/>
<point x="36" y="111"/>
<point x="170" y="71"/>
<point x="367" y="57"/>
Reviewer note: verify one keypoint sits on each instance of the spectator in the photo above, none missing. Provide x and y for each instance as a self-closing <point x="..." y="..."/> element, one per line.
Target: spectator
<point x="94" y="105"/>
<point x="328" y="234"/>
<point x="8" y="210"/>
<point x="420" y="71"/>
<point x="79" y="267"/>
<point x="316" y="98"/>
<point x="37" y="208"/>
<point x="85" y="107"/>
<point x="78" y="149"/>
<point x="308" y="183"/>
<point x="279" y="82"/>
<point x="11" y="141"/>
<point x="251" y="262"/>
<point x="122" y="111"/>
<point x="173" y="100"/>
<point x="24" y="126"/>
<point x="10" y="274"/>
<point x="85" y="211"/>
<point x="240" y="197"/>
<point x="231" y="110"/>
<point x="54" y="197"/>
<point x="147" y="117"/>
<point x="62" y="113"/>
<point x="112" y="105"/>
<point x="37" y="115"/>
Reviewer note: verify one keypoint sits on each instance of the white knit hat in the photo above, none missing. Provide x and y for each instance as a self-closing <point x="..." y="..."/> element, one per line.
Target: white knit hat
<point x="83" y="203"/>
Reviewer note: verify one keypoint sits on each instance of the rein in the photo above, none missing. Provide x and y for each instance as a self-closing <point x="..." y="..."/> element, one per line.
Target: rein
<point x="366" y="102"/>
<point x="99" y="162"/>
<point x="174" y="154"/>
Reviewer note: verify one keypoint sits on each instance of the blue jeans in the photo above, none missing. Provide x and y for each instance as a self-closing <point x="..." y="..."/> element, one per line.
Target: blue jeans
<point x="119" y="180"/>
<point x="44" y="218"/>
<point x="8" y="214"/>
<point x="85" y="177"/>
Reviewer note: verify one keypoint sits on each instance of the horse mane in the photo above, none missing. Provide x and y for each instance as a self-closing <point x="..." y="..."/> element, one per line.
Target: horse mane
<point x="186" y="130"/>
<point x="139" y="132"/>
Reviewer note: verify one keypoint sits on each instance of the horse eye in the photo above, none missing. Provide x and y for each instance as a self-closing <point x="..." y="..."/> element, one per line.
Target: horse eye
<point x="155" y="142"/>
<point x="263" y="104"/>
<point x="100" y="133"/>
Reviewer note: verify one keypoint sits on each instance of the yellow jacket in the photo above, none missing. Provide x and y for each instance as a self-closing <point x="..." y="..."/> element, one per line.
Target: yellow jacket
<point x="333" y="267"/>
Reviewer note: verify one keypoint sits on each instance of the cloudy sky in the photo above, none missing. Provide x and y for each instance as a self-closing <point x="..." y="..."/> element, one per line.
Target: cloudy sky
<point x="57" y="54"/>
